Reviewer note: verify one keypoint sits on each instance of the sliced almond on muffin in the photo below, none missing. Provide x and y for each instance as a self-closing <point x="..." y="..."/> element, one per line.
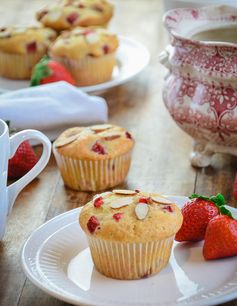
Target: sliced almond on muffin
<point x="141" y="210"/>
<point x="161" y="200"/>
<point x="121" y="202"/>
<point x="124" y="191"/>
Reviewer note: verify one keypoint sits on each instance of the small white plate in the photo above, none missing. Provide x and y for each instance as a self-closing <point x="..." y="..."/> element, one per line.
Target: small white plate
<point x="132" y="58"/>
<point x="56" y="258"/>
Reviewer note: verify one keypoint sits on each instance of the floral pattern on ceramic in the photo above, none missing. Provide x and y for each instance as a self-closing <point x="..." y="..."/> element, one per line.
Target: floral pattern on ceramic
<point x="200" y="91"/>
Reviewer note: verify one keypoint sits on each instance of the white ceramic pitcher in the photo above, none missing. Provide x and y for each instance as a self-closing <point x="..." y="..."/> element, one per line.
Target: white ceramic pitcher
<point x="8" y="147"/>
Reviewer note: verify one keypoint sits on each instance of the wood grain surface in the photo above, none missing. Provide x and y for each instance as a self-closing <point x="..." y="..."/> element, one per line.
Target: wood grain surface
<point x="160" y="160"/>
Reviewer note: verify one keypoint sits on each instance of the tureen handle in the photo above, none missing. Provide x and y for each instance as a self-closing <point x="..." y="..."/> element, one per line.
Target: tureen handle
<point x="164" y="57"/>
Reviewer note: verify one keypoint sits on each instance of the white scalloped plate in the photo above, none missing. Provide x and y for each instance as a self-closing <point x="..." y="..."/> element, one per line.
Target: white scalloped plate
<point x="56" y="258"/>
<point x="132" y="58"/>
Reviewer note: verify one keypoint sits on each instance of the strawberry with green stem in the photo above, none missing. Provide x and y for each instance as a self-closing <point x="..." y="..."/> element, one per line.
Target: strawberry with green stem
<point x="196" y="215"/>
<point x="220" y="231"/>
<point x="50" y="71"/>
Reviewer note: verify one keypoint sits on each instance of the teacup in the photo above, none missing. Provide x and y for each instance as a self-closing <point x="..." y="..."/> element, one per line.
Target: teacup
<point x="8" y="147"/>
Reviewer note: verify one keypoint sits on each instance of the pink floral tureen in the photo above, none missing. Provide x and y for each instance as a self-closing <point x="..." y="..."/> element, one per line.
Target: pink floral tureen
<point x="200" y="90"/>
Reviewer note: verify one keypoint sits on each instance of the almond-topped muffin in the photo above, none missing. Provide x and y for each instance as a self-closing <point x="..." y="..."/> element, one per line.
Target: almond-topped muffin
<point x="21" y="48"/>
<point x="93" y="158"/>
<point x="89" y="54"/>
<point x="68" y="14"/>
<point x="130" y="233"/>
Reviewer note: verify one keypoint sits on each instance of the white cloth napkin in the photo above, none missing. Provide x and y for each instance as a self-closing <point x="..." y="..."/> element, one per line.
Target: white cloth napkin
<point x="51" y="108"/>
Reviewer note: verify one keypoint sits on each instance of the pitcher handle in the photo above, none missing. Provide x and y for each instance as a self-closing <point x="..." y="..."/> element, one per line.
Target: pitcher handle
<point x="15" y="141"/>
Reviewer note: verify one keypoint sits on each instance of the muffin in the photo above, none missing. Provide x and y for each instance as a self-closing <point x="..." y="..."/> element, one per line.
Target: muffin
<point x="21" y="48"/>
<point x="130" y="233"/>
<point x="93" y="158"/>
<point x="71" y="13"/>
<point x="89" y="54"/>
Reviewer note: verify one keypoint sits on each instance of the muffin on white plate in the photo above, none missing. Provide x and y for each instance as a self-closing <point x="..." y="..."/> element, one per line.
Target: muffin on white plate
<point x="68" y="14"/>
<point x="21" y="48"/>
<point x="130" y="233"/>
<point x="89" y="54"/>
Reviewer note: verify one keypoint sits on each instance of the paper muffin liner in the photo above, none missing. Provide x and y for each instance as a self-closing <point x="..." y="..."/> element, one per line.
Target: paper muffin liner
<point x="93" y="175"/>
<point x="130" y="260"/>
<point x="18" y="66"/>
<point x="90" y="70"/>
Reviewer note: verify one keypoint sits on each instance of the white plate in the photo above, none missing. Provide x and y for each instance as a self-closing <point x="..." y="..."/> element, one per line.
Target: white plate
<point x="132" y="58"/>
<point x="188" y="279"/>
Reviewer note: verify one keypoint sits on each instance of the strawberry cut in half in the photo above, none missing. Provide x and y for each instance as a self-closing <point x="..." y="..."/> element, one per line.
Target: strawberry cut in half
<point x="50" y="71"/>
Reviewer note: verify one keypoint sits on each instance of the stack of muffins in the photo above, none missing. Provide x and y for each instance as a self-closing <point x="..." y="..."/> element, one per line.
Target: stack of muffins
<point x="83" y="44"/>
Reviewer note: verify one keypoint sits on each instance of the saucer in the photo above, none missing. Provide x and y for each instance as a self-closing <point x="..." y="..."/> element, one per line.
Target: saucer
<point x="56" y="258"/>
<point x="132" y="58"/>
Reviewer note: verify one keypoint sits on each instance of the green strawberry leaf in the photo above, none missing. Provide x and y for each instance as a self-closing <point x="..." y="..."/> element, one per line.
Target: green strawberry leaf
<point x="198" y="196"/>
<point x="40" y="71"/>
<point x="225" y="211"/>
<point x="218" y="200"/>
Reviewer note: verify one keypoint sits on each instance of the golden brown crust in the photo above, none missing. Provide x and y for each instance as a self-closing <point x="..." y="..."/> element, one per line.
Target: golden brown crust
<point x="71" y="13"/>
<point x="97" y="142"/>
<point x="25" y="40"/>
<point x="80" y="43"/>
<point x="162" y="221"/>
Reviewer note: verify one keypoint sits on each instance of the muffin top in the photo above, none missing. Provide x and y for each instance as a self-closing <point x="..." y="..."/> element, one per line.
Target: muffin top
<point x="82" y="42"/>
<point x="71" y="13"/>
<point x="96" y="142"/>
<point x="130" y="216"/>
<point x="25" y="40"/>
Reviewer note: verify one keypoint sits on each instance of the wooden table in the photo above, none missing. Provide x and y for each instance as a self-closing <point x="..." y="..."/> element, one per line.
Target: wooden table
<point x="160" y="160"/>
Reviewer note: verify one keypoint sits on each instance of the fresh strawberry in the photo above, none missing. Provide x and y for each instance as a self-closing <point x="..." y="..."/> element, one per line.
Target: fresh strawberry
<point x="49" y="71"/>
<point x="196" y="215"/>
<point x="220" y="238"/>
<point x="22" y="162"/>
